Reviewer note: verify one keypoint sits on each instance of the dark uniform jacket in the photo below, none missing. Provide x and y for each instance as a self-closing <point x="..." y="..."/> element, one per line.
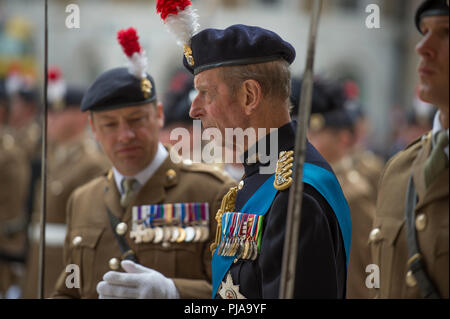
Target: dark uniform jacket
<point x="188" y="264"/>
<point x="388" y="238"/>
<point x="321" y="266"/>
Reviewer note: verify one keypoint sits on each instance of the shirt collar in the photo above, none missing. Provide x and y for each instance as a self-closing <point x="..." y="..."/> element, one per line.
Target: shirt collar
<point x="143" y="176"/>
<point x="437" y="127"/>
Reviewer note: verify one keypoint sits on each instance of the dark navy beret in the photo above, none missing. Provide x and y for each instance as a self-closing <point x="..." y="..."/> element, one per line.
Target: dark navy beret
<point x="237" y="45"/>
<point x="178" y="98"/>
<point x="328" y="108"/>
<point x="431" y="8"/>
<point x="72" y="99"/>
<point x="115" y="89"/>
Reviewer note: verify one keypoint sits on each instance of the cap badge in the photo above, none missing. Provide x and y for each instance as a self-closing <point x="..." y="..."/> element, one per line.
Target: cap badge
<point x="188" y="55"/>
<point x="146" y="87"/>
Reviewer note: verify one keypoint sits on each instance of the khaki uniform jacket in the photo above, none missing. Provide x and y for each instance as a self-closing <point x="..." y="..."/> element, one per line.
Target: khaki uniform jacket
<point x="14" y="180"/>
<point x="359" y="194"/>
<point x="388" y="239"/>
<point x="69" y="166"/>
<point x="188" y="264"/>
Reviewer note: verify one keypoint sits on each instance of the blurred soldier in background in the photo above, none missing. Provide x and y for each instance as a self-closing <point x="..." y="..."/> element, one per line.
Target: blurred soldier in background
<point x="409" y="240"/>
<point x="332" y="132"/>
<point x="363" y="160"/>
<point x="73" y="159"/>
<point x="14" y="180"/>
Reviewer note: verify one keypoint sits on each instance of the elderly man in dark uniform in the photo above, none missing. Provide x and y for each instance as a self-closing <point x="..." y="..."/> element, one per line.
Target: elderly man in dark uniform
<point x="243" y="78"/>
<point x="150" y="210"/>
<point x="409" y="240"/>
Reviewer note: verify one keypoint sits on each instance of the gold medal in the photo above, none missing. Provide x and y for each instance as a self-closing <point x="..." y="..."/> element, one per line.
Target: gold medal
<point x="167" y="234"/>
<point x="198" y="234"/>
<point x="175" y="234"/>
<point x="148" y="235"/>
<point x="159" y="235"/>
<point x="246" y="249"/>
<point x="181" y="235"/>
<point x="205" y="234"/>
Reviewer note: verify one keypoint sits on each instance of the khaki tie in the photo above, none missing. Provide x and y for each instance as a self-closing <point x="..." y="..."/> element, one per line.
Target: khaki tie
<point x="128" y="186"/>
<point x="438" y="160"/>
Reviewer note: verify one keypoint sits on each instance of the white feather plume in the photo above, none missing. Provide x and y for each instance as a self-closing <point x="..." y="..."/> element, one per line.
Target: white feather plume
<point x="138" y="64"/>
<point x="184" y="25"/>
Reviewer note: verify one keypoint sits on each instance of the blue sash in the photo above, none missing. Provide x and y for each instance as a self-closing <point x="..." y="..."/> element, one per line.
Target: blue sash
<point x="323" y="181"/>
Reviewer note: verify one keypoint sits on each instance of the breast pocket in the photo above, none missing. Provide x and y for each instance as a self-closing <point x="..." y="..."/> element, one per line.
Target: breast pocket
<point x="383" y="240"/>
<point x="83" y="243"/>
<point x="175" y="260"/>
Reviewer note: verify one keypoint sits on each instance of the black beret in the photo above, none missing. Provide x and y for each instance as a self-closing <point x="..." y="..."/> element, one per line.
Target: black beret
<point x="179" y="98"/>
<point x="328" y="108"/>
<point x="72" y="99"/>
<point x="237" y="45"/>
<point x="431" y="8"/>
<point x="115" y="89"/>
<point x="3" y="95"/>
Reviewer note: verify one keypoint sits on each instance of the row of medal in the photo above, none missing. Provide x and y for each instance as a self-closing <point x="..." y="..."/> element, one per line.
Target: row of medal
<point x="241" y="236"/>
<point x="174" y="223"/>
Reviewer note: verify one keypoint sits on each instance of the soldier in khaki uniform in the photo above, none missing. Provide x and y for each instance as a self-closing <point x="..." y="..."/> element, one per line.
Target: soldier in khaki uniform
<point x="14" y="179"/>
<point x="409" y="240"/>
<point x="331" y="131"/>
<point x="145" y="211"/>
<point x="73" y="159"/>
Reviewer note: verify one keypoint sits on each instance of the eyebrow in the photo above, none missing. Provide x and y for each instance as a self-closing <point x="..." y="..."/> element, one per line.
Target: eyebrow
<point x="109" y="117"/>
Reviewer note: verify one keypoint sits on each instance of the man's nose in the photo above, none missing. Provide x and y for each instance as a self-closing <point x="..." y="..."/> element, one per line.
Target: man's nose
<point x="425" y="47"/>
<point x="126" y="133"/>
<point x="196" y="110"/>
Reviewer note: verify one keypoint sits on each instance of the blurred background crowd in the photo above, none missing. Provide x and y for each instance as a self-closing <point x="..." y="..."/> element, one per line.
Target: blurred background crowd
<point x="365" y="107"/>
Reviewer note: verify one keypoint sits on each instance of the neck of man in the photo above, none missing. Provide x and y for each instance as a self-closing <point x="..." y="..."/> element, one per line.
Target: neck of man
<point x="271" y="116"/>
<point x="444" y="117"/>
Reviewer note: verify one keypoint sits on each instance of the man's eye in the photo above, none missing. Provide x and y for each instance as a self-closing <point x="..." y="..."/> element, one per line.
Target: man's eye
<point x="109" y="124"/>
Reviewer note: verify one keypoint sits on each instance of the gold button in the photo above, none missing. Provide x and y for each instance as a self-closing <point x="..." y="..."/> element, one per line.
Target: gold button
<point x="121" y="229"/>
<point x="375" y="235"/>
<point x="114" y="264"/>
<point x="421" y="222"/>
<point x="76" y="241"/>
<point x="241" y="185"/>
<point x="410" y="279"/>
<point x="171" y="174"/>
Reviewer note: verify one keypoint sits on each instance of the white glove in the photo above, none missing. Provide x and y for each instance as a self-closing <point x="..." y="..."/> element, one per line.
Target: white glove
<point x="138" y="282"/>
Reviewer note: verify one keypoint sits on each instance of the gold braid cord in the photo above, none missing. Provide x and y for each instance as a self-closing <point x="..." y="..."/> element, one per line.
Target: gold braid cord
<point x="227" y="205"/>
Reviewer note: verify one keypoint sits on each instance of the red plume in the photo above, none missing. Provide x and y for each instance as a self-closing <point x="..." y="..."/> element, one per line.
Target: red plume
<point x="54" y="74"/>
<point x="167" y="7"/>
<point x="129" y="41"/>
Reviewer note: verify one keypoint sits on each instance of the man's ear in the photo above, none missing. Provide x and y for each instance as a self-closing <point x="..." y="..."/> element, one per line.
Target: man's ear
<point x="251" y="95"/>
<point x="160" y="114"/>
<point x="91" y="124"/>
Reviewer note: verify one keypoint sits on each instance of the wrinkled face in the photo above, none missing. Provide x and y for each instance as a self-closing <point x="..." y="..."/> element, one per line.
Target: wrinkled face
<point x="129" y="135"/>
<point x="214" y="105"/>
<point x="433" y="68"/>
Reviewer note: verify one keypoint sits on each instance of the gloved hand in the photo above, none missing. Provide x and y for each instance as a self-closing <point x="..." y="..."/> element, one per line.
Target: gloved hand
<point x="138" y="282"/>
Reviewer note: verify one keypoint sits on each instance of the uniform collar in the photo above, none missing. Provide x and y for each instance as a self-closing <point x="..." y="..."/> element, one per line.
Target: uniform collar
<point x="286" y="141"/>
<point x="437" y="127"/>
<point x="143" y="176"/>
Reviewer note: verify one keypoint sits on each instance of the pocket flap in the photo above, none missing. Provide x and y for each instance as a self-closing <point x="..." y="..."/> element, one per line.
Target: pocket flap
<point x="85" y="236"/>
<point x="390" y="228"/>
